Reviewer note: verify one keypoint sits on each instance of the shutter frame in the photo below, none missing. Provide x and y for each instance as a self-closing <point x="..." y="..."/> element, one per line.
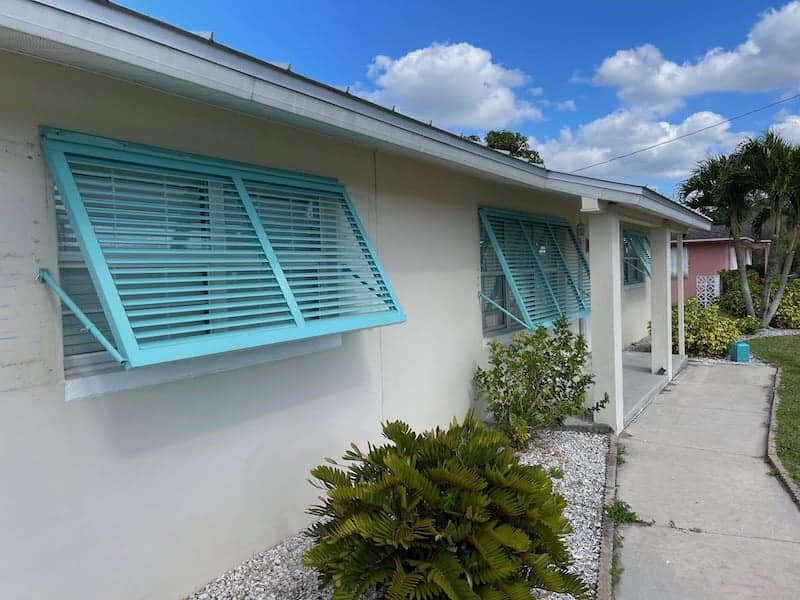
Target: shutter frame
<point x="216" y="333"/>
<point x="526" y="275"/>
<point x="640" y="244"/>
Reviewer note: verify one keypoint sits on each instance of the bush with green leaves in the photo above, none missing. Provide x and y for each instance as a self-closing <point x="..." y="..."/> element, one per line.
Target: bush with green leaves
<point x="731" y="301"/>
<point x="708" y="333"/>
<point x="788" y="314"/>
<point x="448" y="514"/>
<point x="748" y="325"/>
<point x="535" y="380"/>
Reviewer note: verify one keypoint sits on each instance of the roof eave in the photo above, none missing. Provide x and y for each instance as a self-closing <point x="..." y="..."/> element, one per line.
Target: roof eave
<point x="141" y="49"/>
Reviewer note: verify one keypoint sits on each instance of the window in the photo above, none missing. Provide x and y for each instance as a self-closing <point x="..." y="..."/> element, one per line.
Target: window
<point x="533" y="270"/>
<point x="635" y="257"/>
<point x="673" y="257"/>
<point x="500" y="312"/>
<point x="83" y="354"/>
<point x="176" y="256"/>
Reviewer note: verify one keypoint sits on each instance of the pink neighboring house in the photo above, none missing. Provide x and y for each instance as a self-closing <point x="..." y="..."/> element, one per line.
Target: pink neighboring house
<point x="705" y="254"/>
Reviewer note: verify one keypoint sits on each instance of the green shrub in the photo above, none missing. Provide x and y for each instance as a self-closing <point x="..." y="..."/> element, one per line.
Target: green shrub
<point x="446" y="514"/>
<point x="621" y="512"/>
<point x="788" y="314"/>
<point x="536" y="380"/>
<point x="748" y="325"/>
<point x="731" y="301"/>
<point x="708" y="333"/>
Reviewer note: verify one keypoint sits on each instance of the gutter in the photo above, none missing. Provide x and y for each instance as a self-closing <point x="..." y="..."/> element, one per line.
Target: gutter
<point x="137" y="48"/>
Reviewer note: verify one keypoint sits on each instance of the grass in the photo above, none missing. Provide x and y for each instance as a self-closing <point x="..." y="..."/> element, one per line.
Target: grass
<point x="620" y="455"/>
<point x="616" y="568"/>
<point x="621" y="512"/>
<point x="557" y="473"/>
<point x="784" y="352"/>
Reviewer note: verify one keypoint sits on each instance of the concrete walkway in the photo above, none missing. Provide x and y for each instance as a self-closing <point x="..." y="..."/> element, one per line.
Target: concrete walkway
<point x="723" y="527"/>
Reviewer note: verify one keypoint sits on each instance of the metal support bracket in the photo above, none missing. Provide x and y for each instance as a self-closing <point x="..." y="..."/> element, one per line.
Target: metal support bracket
<point x="44" y="277"/>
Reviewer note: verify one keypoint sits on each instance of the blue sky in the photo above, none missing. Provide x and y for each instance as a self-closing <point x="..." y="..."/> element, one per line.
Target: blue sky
<point x="586" y="81"/>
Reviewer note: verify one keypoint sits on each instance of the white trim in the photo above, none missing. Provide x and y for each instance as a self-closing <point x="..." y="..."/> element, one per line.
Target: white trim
<point x="108" y="39"/>
<point x="119" y="381"/>
<point x="744" y="239"/>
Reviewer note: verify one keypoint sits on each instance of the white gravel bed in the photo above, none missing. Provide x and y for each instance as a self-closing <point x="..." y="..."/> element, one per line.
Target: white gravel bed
<point x="582" y="458"/>
<point x="278" y="574"/>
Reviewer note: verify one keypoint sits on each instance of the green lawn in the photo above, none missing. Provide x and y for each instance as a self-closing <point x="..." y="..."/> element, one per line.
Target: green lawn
<point x="785" y="353"/>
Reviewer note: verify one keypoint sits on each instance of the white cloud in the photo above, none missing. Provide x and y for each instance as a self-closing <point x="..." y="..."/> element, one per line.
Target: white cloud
<point x="567" y="105"/>
<point x="455" y="85"/>
<point x="537" y="91"/>
<point x="626" y="130"/>
<point x="789" y="127"/>
<point x="766" y="60"/>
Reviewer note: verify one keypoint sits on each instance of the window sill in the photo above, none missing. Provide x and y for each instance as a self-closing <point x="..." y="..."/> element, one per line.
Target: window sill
<point x="638" y="284"/>
<point x="119" y="381"/>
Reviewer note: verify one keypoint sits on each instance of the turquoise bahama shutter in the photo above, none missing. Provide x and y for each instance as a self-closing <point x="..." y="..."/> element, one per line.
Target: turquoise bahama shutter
<point x="543" y="263"/>
<point x="192" y="255"/>
<point x="639" y="247"/>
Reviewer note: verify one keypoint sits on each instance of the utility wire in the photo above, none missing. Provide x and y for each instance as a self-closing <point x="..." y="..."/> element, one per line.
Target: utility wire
<point x="691" y="133"/>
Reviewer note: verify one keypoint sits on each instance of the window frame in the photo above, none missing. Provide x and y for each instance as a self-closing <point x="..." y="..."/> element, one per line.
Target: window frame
<point x="58" y="144"/>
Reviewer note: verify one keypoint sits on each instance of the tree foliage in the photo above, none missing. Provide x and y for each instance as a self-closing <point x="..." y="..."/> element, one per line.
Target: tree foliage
<point x="515" y="143"/>
<point x="445" y="514"/>
<point x="758" y="184"/>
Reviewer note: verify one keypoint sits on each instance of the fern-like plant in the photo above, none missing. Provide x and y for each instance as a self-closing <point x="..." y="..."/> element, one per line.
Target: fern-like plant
<point x="445" y="514"/>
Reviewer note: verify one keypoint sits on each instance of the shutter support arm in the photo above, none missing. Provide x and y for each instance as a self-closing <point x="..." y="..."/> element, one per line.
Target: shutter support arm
<point x="44" y="277"/>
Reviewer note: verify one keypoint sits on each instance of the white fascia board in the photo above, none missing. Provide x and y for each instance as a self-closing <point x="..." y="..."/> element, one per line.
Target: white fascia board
<point x="727" y="239"/>
<point x="153" y="53"/>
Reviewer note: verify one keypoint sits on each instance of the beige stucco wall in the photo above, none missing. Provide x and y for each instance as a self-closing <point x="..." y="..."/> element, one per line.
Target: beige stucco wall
<point x="635" y="311"/>
<point x="149" y="493"/>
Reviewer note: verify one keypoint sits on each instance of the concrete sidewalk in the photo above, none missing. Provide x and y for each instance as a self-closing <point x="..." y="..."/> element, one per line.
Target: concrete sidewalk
<point x="724" y="528"/>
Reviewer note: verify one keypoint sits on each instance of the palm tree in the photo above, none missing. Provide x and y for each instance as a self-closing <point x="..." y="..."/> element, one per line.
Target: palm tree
<point x="774" y="165"/>
<point x="722" y="187"/>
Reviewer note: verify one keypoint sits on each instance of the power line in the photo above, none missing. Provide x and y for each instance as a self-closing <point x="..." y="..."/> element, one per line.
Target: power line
<point x="691" y="133"/>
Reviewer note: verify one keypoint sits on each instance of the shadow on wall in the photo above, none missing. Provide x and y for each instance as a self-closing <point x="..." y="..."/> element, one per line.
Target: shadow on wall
<point x="143" y="420"/>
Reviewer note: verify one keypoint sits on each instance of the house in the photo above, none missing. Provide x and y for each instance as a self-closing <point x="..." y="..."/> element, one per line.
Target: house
<point x="216" y="272"/>
<point x="706" y="252"/>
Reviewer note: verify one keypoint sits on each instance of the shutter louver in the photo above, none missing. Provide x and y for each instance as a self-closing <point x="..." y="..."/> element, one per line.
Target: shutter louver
<point x="640" y="245"/>
<point x="189" y="260"/>
<point x="323" y="253"/>
<point x="545" y="267"/>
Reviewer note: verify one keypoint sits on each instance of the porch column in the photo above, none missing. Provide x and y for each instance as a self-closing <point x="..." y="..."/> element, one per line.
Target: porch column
<point x="660" y="302"/>
<point x="679" y="291"/>
<point x="605" y="264"/>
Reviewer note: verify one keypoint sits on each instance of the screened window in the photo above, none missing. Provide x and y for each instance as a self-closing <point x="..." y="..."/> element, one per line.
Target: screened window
<point x="533" y="270"/>
<point x="173" y="256"/>
<point x="635" y="257"/>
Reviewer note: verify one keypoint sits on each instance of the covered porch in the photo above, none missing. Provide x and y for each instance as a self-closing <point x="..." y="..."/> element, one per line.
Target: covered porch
<point x="640" y="385"/>
<point x="631" y="379"/>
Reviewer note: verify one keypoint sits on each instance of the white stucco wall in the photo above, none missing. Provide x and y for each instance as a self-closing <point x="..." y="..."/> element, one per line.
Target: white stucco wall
<point x="635" y="311"/>
<point x="149" y="493"/>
